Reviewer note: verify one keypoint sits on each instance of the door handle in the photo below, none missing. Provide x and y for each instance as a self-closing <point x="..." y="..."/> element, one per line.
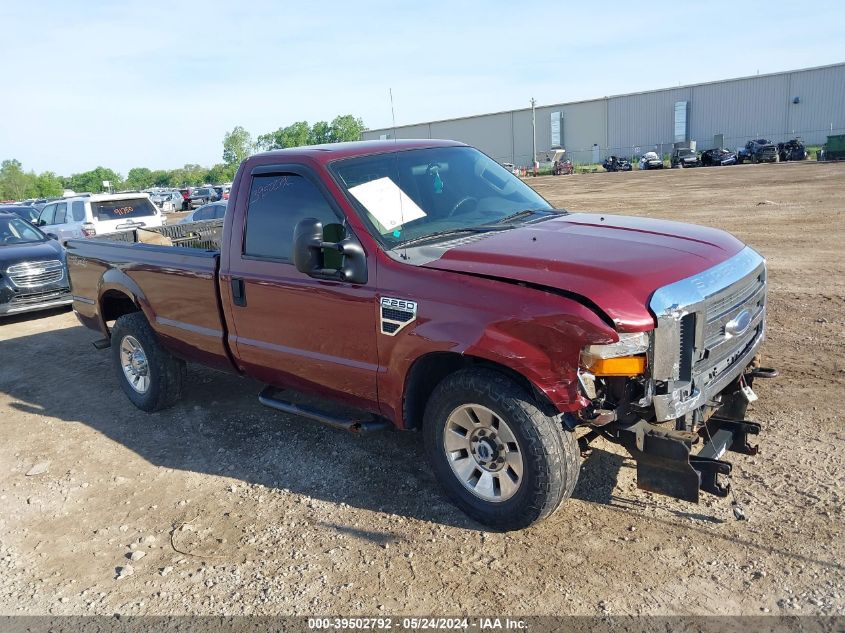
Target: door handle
<point x="238" y="292"/>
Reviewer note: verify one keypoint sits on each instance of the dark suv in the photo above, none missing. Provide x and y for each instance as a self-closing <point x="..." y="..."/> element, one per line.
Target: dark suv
<point x="758" y="151"/>
<point x="201" y="196"/>
<point x="684" y="157"/>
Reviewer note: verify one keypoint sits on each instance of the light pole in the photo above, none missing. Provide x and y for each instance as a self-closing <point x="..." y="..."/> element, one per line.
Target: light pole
<point x="533" y="136"/>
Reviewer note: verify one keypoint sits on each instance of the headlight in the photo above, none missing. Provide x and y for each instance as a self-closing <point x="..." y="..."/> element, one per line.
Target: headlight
<point x="626" y="357"/>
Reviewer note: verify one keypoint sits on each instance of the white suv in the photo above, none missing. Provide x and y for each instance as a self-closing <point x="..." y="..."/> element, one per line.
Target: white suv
<point x="84" y="216"/>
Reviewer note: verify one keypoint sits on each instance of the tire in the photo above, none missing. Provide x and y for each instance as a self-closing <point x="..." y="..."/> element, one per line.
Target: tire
<point x="164" y="373"/>
<point x="528" y="441"/>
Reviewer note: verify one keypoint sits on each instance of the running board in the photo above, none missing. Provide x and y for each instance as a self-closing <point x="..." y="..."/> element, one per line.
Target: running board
<point x="267" y="398"/>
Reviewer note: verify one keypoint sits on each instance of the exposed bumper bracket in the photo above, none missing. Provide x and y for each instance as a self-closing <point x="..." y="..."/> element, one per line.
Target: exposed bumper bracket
<point x="666" y="466"/>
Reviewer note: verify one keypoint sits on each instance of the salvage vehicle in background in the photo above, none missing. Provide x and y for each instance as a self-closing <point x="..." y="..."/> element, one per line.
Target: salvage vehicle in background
<point x="684" y="157"/>
<point x="33" y="273"/>
<point x="167" y="201"/>
<point x="792" y="149"/>
<point x="213" y="211"/>
<point x="96" y="214"/>
<point x="23" y="211"/>
<point x="200" y="196"/>
<point x="614" y="163"/>
<point x="650" y="160"/>
<point x="833" y="149"/>
<point x="757" y="151"/>
<point x="509" y="333"/>
<point x="717" y="156"/>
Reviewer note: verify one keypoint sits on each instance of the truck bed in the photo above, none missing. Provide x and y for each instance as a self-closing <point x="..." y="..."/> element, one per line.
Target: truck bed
<point x="173" y="280"/>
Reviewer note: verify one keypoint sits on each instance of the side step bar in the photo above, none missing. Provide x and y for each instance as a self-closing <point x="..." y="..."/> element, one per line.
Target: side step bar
<point x="268" y="398"/>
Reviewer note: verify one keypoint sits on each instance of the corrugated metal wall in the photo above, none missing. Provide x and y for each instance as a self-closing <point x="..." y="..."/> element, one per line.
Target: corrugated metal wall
<point x="738" y="109"/>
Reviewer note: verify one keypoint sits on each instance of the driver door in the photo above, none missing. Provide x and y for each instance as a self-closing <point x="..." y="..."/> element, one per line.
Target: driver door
<point x="291" y="330"/>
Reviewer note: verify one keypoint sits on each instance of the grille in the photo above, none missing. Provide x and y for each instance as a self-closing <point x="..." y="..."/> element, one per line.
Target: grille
<point x="396" y="315"/>
<point x="37" y="297"/>
<point x="35" y="274"/>
<point x="393" y="319"/>
<point x="719" y="349"/>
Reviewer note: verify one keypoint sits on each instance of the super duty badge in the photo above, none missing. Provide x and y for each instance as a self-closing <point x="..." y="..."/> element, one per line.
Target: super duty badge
<point x="396" y="314"/>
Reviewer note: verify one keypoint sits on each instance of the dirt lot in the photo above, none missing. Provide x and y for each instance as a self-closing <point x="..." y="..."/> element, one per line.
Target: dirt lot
<point x="239" y="509"/>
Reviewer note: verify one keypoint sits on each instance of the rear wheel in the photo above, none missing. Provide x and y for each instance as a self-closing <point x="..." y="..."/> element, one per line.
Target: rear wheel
<point x="149" y="375"/>
<point x="497" y="455"/>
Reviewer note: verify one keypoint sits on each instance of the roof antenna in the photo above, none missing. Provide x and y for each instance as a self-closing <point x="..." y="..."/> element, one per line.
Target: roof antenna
<point x="397" y="232"/>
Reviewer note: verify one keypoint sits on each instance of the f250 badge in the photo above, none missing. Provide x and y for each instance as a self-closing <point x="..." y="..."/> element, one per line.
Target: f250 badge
<point x="396" y="314"/>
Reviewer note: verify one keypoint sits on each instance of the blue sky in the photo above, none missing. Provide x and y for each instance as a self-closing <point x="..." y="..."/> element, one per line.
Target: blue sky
<point x="157" y="84"/>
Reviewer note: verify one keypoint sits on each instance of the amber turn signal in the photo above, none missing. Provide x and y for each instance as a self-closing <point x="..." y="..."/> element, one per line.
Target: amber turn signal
<point x="620" y="366"/>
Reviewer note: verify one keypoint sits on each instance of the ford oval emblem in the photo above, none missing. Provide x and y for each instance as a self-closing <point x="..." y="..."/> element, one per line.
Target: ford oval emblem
<point x="738" y="324"/>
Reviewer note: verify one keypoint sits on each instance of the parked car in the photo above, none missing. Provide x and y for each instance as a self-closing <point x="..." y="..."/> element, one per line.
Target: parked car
<point x="717" y="156"/>
<point x="33" y="272"/>
<point x="792" y="149"/>
<point x="614" y="163"/>
<point x="684" y="157"/>
<point x="213" y="211"/>
<point x="474" y="312"/>
<point x="26" y="212"/>
<point x="201" y="196"/>
<point x="84" y="216"/>
<point x="757" y="151"/>
<point x="167" y="201"/>
<point x="650" y="160"/>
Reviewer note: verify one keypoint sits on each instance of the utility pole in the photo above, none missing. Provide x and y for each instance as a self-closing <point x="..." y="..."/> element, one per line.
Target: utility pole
<point x="533" y="136"/>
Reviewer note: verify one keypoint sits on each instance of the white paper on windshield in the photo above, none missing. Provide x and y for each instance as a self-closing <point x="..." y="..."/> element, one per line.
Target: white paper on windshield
<point x="387" y="203"/>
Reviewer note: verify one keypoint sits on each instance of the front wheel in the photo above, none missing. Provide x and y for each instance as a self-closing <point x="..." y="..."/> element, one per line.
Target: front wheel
<point x="148" y="374"/>
<point x="497" y="455"/>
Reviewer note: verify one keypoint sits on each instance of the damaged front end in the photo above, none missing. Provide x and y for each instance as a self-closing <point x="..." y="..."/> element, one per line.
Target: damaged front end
<point x="676" y="397"/>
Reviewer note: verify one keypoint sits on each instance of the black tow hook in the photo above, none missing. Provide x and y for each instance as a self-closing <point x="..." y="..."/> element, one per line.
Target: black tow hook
<point x="764" y="372"/>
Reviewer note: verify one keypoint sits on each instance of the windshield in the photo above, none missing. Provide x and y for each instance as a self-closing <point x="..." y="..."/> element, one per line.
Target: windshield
<point x="27" y="213"/>
<point x="684" y="152"/>
<point x="408" y="195"/>
<point x="122" y="209"/>
<point x="17" y="231"/>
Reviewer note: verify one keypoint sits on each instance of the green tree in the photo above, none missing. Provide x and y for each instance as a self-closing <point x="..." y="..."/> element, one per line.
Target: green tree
<point x="237" y="145"/>
<point x="294" y="135"/>
<point x="221" y="173"/>
<point x="47" y="185"/>
<point x="14" y="183"/>
<point x="139" y="178"/>
<point x="92" y="181"/>
<point x="321" y="132"/>
<point x="190" y="175"/>
<point x="346" y="128"/>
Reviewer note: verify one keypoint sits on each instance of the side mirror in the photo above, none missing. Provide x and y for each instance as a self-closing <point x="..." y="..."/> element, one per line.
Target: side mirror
<point x="53" y="236"/>
<point x="328" y="253"/>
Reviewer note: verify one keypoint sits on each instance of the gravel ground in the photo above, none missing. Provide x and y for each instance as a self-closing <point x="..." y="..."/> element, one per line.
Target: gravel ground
<point x="220" y="506"/>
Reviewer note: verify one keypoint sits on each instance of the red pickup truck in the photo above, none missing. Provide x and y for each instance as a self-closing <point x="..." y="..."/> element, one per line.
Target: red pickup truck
<point x="426" y="288"/>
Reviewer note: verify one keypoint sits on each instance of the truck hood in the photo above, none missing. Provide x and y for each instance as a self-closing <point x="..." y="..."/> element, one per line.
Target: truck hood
<point x="614" y="262"/>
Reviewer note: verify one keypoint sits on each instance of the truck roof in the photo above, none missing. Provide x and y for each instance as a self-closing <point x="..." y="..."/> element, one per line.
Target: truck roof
<point x="102" y="197"/>
<point x="332" y="151"/>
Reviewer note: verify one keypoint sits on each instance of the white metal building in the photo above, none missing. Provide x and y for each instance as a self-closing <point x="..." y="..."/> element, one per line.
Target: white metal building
<point x="809" y="103"/>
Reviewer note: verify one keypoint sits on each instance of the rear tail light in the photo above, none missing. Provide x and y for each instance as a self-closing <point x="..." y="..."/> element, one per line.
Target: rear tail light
<point x="88" y="229"/>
